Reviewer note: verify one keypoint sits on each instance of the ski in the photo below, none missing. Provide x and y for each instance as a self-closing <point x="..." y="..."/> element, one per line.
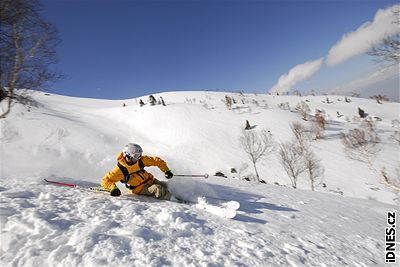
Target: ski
<point x="97" y="188"/>
<point x="60" y="183"/>
<point x="223" y="208"/>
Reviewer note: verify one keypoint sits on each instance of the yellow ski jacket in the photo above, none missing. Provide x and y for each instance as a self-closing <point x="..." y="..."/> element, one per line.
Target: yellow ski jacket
<point x="138" y="176"/>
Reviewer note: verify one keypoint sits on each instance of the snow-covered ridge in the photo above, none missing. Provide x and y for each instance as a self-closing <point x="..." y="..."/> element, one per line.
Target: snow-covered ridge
<point x="78" y="139"/>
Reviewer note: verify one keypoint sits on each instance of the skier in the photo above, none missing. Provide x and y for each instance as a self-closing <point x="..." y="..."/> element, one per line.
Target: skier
<point x="130" y="171"/>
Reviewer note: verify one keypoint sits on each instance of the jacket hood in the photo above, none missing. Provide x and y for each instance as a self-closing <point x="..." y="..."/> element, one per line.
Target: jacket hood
<point x="120" y="157"/>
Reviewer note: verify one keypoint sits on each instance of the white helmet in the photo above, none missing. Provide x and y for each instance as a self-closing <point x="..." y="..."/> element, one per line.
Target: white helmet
<point x="132" y="152"/>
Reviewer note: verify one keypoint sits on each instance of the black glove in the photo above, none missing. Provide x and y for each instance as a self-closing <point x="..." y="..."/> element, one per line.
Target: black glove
<point x="168" y="174"/>
<point x="115" y="192"/>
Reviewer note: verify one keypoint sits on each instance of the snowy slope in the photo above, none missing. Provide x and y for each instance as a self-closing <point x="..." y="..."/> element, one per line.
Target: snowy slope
<point x="53" y="226"/>
<point x="77" y="140"/>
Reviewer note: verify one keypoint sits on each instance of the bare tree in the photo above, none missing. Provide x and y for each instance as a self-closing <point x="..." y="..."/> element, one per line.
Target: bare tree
<point x="312" y="166"/>
<point x="388" y="51"/>
<point x="27" y="48"/>
<point x="257" y="145"/>
<point x="291" y="160"/>
<point x="301" y="133"/>
<point x="379" y="98"/>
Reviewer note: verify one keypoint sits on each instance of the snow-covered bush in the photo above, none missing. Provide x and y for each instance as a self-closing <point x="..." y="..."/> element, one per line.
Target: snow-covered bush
<point x="393" y="182"/>
<point x="152" y="100"/>
<point x="284" y="106"/>
<point x="228" y="102"/>
<point x="361" y="113"/>
<point x="319" y="124"/>
<point x="303" y="109"/>
<point x="361" y="143"/>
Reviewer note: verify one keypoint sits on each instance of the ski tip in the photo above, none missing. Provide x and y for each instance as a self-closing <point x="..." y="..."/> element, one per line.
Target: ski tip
<point x="230" y="214"/>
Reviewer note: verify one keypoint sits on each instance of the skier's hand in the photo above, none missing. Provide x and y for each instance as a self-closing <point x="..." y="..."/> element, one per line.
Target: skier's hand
<point x="115" y="192"/>
<point x="168" y="174"/>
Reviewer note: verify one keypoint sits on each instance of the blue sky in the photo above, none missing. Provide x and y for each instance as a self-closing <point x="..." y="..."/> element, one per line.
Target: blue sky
<point x="123" y="49"/>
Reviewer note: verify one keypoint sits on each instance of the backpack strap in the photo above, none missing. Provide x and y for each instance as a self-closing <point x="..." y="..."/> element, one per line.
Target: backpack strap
<point x="127" y="175"/>
<point x="141" y="165"/>
<point x="125" y="172"/>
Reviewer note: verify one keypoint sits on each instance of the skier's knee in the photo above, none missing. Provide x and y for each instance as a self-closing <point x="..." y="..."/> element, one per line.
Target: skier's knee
<point x="158" y="191"/>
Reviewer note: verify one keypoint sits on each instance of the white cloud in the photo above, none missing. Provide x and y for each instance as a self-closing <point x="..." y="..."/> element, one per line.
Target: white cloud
<point x="360" y="84"/>
<point x="366" y="36"/>
<point x="297" y="74"/>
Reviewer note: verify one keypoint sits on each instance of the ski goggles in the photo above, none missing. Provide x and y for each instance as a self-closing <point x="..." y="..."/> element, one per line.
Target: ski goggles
<point x="134" y="157"/>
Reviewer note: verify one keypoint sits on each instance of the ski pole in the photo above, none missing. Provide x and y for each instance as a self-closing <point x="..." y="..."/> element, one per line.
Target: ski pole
<point x="192" y="175"/>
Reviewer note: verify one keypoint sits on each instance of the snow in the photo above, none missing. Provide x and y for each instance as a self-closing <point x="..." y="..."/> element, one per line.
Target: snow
<point x="77" y="140"/>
